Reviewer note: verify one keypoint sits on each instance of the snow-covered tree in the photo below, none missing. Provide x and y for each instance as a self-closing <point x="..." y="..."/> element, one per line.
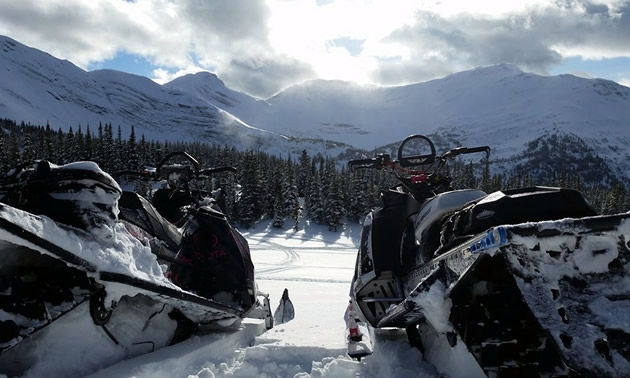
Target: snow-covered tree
<point x="334" y="210"/>
<point x="314" y="201"/>
<point x="250" y="207"/>
<point x="291" y="203"/>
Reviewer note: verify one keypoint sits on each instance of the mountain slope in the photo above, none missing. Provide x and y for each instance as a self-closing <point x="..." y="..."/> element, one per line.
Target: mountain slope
<point x="500" y="106"/>
<point x="38" y="88"/>
<point x="479" y="103"/>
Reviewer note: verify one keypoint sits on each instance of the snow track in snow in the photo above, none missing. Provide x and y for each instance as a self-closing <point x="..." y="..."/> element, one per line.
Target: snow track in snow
<point x="317" y="267"/>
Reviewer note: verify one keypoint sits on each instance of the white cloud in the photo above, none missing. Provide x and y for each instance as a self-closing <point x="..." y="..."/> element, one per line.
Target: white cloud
<point x="261" y="46"/>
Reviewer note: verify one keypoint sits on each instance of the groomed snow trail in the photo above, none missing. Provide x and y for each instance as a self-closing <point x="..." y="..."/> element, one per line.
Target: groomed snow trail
<point x="316" y="266"/>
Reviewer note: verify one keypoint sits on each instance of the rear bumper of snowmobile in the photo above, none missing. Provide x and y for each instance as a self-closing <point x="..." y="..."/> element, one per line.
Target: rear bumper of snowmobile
<point x="546" y="298"/>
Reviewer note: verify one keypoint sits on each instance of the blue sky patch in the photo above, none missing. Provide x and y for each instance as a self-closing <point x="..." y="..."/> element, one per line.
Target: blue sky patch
<point x="354" y="46"/>
<point x="613" y="69"/>
<point x="123" y="61"/>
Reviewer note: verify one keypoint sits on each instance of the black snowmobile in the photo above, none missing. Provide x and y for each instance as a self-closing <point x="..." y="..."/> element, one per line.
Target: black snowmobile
<point x="68" y="264"/>
<point x="527" y="282"/>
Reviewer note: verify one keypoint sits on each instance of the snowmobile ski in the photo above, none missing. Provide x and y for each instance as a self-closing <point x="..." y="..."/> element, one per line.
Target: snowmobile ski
<point x="358" y="335"/>
<point x="285" y="312"/>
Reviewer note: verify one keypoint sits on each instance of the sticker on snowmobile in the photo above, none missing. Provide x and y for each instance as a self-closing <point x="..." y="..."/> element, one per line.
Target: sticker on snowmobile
<point x="493" y="238"/>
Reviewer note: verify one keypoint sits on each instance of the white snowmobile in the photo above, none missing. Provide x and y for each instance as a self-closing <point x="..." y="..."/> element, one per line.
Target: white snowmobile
<point x="527" y="282"/>
<point x="69" y="266"/>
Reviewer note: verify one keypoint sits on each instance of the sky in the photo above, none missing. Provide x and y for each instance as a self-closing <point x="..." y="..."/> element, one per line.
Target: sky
<point x="262" y="46"/>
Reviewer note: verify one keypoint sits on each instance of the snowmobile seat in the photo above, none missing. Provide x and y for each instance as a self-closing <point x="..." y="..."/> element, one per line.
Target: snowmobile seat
<point x="427" y="222"/>
<point x="532" y="204"/>
<point x="138" y="211"/>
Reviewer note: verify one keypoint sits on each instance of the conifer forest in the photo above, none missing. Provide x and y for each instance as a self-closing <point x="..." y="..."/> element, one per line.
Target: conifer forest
<point x="265" y="186"/>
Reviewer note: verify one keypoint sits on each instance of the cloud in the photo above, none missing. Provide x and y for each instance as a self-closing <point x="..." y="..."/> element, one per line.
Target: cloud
<point x="534" y="39"/>
<point x="259" y="74"/>
<point x="261" y="46"/>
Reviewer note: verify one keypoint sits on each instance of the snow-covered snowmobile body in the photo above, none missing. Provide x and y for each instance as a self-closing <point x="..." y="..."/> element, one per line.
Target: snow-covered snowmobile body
<point x="524" y="282"/>
<point x="54" y="275"/>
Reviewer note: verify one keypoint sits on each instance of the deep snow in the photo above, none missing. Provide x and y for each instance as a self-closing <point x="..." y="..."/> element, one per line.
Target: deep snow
<point x="316" y="266"/>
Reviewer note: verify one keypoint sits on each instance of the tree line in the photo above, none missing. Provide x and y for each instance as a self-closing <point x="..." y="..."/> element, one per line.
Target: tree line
<point x="285" y="189"/>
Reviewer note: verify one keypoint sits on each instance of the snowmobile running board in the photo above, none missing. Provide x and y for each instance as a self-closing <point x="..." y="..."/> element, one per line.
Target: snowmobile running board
<point x="554" y="289"/>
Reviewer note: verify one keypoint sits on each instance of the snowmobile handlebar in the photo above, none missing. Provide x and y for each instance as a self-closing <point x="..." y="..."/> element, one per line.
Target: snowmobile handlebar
<point x="465" y="150"/>
<point x="421" y="182"/>
<point x="175" y="172"/>
<point x="211" y="171"/>
<point x="192" y="168"/>
<point x="377" y="162"/>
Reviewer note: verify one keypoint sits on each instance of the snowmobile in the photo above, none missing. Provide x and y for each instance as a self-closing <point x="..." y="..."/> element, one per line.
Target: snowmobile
<point x="77" y="280"/>
<point x="186" y="229"/>
<point x="524" y="282"/>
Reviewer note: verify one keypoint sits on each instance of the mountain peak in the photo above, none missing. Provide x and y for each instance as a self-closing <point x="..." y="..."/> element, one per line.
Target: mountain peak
<point x="495" y="71"/>
<point x="205" y="77"/>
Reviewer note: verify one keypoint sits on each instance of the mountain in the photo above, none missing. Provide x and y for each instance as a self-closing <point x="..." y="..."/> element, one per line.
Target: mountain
<point x="38" y="88"/>
<point x="500" y="106"/>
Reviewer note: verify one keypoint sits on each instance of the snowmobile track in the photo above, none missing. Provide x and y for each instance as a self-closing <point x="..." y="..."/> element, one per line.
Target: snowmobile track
<point x="286" y="264"/>
<point x="499" y="328"/>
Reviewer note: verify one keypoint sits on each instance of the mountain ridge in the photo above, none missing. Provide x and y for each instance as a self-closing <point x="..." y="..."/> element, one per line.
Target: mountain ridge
<point x="498" y="105"/>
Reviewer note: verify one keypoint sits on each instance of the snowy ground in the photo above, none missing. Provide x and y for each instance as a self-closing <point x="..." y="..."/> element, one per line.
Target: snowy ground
<point x="316" y="266"/>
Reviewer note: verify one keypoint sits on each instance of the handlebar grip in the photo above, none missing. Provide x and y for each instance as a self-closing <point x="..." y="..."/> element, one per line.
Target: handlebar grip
<point x="356" y="162"/>
<point x="210" y="171"/>
<point x="466" y="150"/>
<point x="485" y="149"/>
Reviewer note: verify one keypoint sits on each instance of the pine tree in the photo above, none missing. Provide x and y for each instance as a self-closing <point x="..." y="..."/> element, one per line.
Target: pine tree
<point x="249" y="206"/>
<point x="79" y="147"/>
<point x="68" y="151"/>
<point x="132" y="160"/>
<point x="291" y="202"/>
<point x="334" y="205"/>
<point x="278" y="209"/>
<point x="4" y="166"/>
<point x="358" y="202"/>
<point x="28" y="153"/>
<point x="314" y="202"/>
<point x="88" y="149"/>
<point x="49" y="151"/>
<point x="13" y="148"/>
<point x="304" y="174"/>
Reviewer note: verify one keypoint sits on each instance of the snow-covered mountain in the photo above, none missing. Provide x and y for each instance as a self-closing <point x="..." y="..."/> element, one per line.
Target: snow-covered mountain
<point x="38" y="88"/>
<point x="500" y="106"/>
